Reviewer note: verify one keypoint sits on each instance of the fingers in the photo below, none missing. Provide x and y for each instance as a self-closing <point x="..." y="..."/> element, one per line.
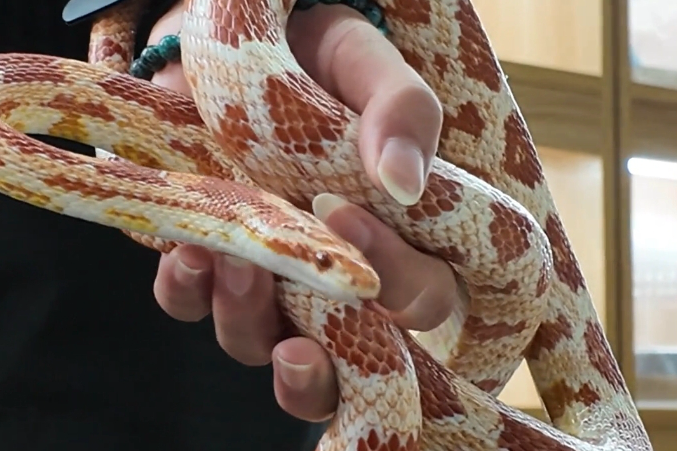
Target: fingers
<point x="419" y="290"/>
<point x="305" y="382"/>
<point x="193" y="282"/>
<point x="183" y="285"/>
<point x="401" y="117"/>
<point x="400" y="122"/>
<point x="246" y="318"/>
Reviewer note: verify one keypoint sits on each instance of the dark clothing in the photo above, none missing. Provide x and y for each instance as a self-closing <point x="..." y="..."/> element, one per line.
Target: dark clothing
<point x="88" y="360"/>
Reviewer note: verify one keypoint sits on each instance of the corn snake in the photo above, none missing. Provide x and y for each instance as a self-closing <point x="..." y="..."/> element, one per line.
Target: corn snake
<point x="487" y="210"/>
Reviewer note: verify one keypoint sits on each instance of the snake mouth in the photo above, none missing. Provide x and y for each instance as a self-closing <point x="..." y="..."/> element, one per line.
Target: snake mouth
<point x="350" y="281"/>
<point x="364" y="281"/>
<point x="347" y="280"/>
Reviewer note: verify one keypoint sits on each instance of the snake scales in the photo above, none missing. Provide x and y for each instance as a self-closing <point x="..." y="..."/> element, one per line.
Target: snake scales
<point x="214" y="172"/>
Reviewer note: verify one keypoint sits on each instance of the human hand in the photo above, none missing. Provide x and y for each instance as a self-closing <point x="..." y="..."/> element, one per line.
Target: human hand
<point x="401" y="122"/>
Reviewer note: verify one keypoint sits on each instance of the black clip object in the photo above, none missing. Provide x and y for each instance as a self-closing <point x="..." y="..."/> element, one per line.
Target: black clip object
<point x="78" y="10"/>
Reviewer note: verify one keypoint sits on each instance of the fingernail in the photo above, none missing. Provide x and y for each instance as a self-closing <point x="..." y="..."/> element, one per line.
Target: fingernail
<point x="402" y="170"/>
<point x="355" y="231"/>
<point x="297" y="377"/>
<point x="239" y="275"/>
<point x="325" y="204"/>
<point x="186" y="273"/>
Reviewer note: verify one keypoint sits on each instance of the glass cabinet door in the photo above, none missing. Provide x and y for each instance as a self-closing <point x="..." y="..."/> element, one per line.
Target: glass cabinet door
<point x="654" y="277"/>
<point x="652" y="36"/>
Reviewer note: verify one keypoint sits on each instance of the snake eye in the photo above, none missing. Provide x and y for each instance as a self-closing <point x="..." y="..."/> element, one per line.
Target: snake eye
<point x="323" y="260"/>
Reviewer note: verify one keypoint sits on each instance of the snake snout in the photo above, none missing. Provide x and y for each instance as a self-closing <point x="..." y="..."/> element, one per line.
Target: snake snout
<point x="355" y="276"/>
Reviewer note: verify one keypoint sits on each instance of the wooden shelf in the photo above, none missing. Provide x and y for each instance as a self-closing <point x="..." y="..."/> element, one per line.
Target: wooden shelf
<point x="563" y="110"/>
<point x="654" y="122"/>
<point x="658" y="78"/>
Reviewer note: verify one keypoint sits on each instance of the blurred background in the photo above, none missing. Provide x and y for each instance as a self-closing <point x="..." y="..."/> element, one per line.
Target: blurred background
<point x="597" y="83"/>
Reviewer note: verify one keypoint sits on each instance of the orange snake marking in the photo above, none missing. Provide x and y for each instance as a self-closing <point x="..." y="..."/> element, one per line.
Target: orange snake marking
<point x="259" y="125"/>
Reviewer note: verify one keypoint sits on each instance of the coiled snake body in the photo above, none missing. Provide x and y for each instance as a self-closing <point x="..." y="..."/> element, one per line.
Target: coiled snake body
<point x="214" y="172"/>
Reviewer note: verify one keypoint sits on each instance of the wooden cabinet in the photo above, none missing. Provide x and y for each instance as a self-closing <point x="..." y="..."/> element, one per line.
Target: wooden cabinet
<point x="553" y="34"/>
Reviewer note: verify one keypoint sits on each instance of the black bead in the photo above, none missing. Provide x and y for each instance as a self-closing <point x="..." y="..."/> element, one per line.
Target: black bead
<point x="305" y="4"/>
<point x="358" y="5"/>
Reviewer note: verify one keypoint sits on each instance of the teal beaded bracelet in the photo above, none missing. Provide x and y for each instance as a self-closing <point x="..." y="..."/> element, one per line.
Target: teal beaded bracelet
<point x="155" y="57"/>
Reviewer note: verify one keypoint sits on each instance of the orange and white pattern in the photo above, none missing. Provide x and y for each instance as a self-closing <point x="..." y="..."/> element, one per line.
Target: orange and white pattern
<point x="236" y="170"/>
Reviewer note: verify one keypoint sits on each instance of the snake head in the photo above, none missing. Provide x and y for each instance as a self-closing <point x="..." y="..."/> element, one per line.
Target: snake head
<point x="260" y="227"/>
<point x="355" y="276"/>
<point x="305" y="250"/>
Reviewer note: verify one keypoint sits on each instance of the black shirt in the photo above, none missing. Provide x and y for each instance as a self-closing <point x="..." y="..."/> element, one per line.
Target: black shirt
<point x="88" y="360"/>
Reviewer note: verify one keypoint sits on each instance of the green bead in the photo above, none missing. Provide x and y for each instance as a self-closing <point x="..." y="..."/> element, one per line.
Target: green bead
<point x="139" y="70"/>
<point x="169" y="48"/>
<point x="152" y="58"/>
<point x="373" y="13"/>
<point x="358" y="5"/>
